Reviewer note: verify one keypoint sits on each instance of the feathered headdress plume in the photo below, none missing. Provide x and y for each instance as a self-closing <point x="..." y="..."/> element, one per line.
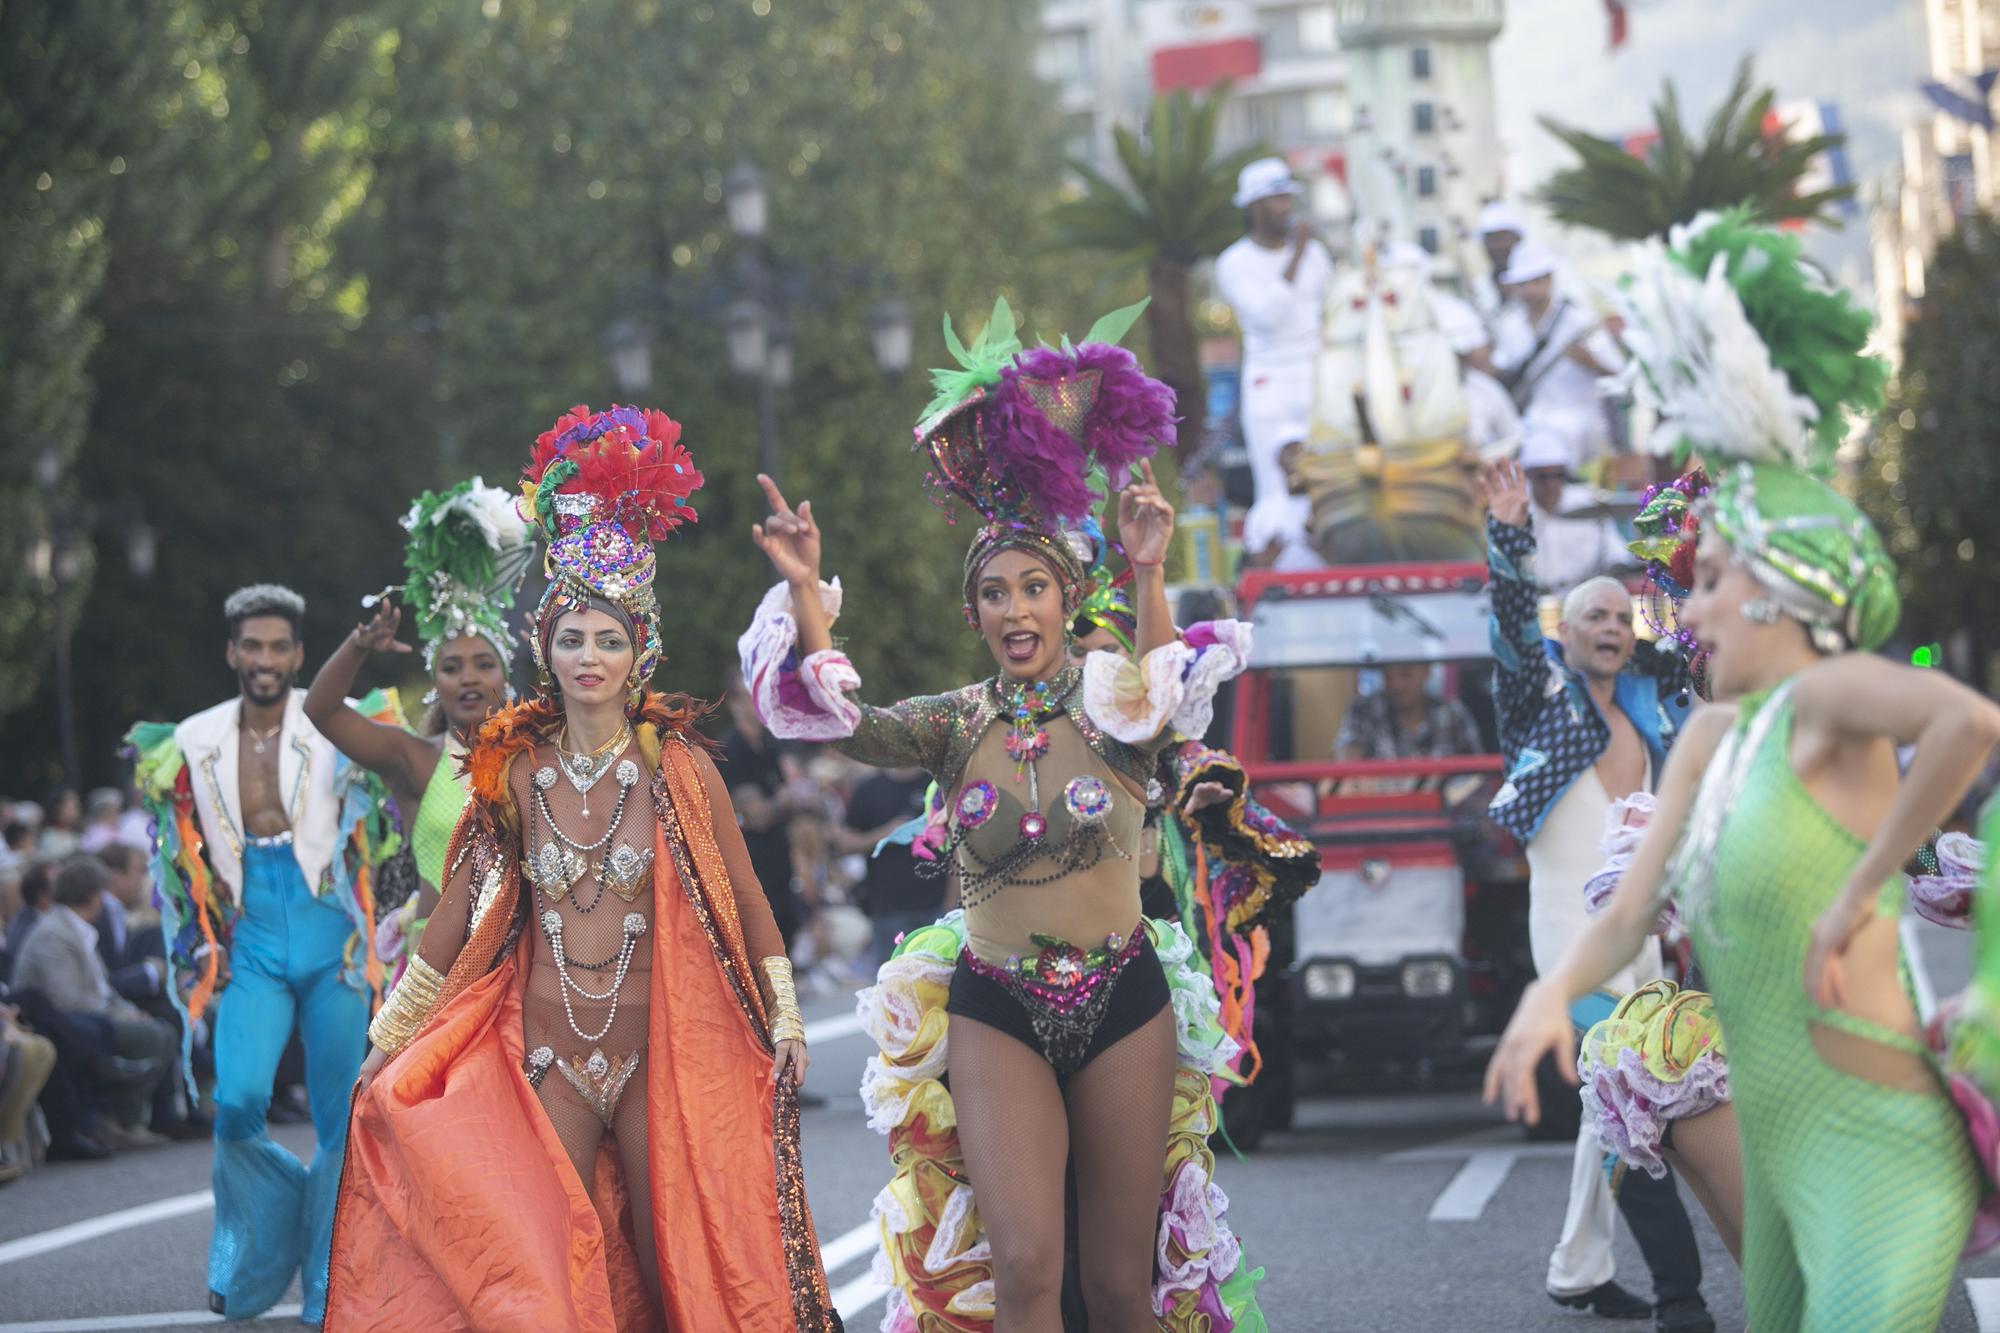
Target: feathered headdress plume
<point x="625" y="465"/>
<point x="1034" y="440"/>
<point x="1033" y="437"/>
<point x="1744" y="350"/>
<point x="604" y="486"/>
<point x="467" y="553"/>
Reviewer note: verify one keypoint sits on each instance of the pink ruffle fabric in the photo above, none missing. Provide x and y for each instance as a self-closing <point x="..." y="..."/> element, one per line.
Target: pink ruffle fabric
<point x="1191" y="1224"/>
<point x="1630" y="1107"/>
<point x="1175" y="684"/>
<point x="798" y="700"/>
<point x="1958" y="1035"/>
<point x="1946" y="897"/>
<point x="1624" y="825"/>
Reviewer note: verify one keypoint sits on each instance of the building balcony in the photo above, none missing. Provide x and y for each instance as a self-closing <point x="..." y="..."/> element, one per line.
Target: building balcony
<point x="1371" y="22"/>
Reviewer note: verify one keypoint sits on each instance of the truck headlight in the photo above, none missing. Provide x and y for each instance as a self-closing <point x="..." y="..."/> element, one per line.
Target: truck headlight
<point x="1329" y="981"/>
<point x="1428" y="979"/>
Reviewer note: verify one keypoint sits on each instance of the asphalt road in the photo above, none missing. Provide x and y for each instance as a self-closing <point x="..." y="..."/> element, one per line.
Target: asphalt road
<point x="1338" y="1212"/>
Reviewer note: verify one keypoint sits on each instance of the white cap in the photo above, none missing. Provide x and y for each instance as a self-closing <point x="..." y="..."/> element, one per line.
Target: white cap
<point x="1501" y="216"/>
<point x="1528" y="262"/>
<point x="1459" y="323"/>
<point x="1408" y="254"/>
<point x="1262" y="179"/>
<point x="1542" y="446"/>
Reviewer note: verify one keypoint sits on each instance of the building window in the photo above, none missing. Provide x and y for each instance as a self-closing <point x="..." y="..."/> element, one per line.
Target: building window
<point x="1303" y="32"/>
<point x="1423" y="118"/>
<point x="1420" y="63"/>
<point x="1427" y="182"/>
<point x="1427" y="237"/>
<point x="1325" y="112"/>
<point x="1318" y="34"/>
<point x="1080" y="138"/>
<point x="1063" y="58"/>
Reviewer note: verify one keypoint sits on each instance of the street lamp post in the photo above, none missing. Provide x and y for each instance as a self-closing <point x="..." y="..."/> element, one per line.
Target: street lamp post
<point x="756" y="333"/>
<point x="52" y="561"/>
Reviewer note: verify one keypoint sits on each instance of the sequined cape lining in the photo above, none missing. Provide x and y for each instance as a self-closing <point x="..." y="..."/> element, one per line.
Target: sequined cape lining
<point x="702" y="873"/>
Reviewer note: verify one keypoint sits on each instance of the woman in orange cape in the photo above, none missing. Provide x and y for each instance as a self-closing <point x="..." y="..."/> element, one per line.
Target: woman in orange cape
<point x="582" y="1110"/>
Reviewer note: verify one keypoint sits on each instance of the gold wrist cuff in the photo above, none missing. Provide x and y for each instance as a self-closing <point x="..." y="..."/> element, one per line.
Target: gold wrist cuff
<point x="787" y="1023"/>
<point x="408" y="1007"/>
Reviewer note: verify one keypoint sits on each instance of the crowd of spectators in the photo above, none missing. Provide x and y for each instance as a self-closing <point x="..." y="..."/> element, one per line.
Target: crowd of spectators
<point x="813" y="820"/>
<point x="90" y="1040"/>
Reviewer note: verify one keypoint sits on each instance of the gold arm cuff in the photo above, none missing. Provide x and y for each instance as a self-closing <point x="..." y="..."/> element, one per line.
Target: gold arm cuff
<point x="408" y="1007"/>
<point x="787" y="1023"/>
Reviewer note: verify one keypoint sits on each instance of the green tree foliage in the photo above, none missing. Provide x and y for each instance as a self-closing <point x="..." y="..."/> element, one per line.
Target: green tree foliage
<point x="374" y="246"/>
<point x="1680" y="177"/>
<point x="75" y="82"/>
<point x="1172" y="209"/>
<point x="1931" y="476"/>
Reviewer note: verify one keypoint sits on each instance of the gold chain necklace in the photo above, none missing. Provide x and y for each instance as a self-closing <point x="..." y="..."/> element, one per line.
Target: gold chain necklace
<point x="259" y="739"/>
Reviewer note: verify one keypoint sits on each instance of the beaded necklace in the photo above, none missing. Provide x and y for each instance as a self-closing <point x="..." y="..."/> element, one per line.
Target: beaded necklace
<point x="1028" y="740"/>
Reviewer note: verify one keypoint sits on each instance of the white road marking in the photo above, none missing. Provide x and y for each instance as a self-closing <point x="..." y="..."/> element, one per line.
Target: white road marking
<point x="1489" y="1156"/>
<point x="1920" y="977"/>
<point x="845" y="1248"/>
<point x="832" y="1029"/>
<point x="1466" y="1197"/>
<point x="91" y="1228"/>
<point x="1502" y="1138"/>
<point x="836" y="1254"/>
<point x="850" y="1299"/>
<point x="1984" y="1293"/>
<point x="170" y="1318"/>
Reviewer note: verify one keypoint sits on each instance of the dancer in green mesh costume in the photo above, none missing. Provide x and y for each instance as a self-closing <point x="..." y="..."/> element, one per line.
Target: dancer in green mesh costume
<point x="1781" y="823"/>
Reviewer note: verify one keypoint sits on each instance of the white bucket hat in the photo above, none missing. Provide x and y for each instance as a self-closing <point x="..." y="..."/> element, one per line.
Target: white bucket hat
<point x="1528" y="262"/>
<point x="1499" y="216"/>
<point x="1262" y="179"/>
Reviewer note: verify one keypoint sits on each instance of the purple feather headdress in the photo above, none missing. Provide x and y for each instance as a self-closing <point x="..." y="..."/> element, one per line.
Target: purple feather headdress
<point x="1026" y="437"/>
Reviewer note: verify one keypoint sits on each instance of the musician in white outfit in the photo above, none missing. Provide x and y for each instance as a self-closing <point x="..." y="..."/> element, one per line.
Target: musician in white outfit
<point x="1275" y="278"/>
<point x="1550" y="351"/>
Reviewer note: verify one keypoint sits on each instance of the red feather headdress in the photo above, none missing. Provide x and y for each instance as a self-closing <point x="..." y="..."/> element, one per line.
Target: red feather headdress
<point x="603" y="487"/>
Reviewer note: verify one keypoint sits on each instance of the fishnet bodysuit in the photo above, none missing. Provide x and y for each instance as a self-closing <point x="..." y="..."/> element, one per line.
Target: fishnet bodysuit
<point x="1858" y="1184"/>
<point x="600" y="1042"/>
<point x="1082" y="906"/>
<point x="592" y="937"/>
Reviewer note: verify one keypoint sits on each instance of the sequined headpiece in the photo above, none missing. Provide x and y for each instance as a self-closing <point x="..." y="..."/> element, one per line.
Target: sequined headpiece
<point x="1033" y="440"/>
<point x="1105" y="605"/>
<point x="603" y="487"/>
<point x="1668" y="525"/>
<point x="467" y="553"/>
<point x="1752" y="361"/>
<point x="1817" y="555"/>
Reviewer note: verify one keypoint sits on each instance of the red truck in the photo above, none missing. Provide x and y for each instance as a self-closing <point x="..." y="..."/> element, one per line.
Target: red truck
<point x="1414" y="944"/>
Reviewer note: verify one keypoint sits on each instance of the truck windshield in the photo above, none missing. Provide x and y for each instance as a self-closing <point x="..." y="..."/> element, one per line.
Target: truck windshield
<point x="1370" y="629"/>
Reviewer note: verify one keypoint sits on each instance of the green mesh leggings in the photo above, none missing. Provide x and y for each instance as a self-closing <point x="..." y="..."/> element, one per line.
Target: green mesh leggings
<point x="1857" y="1195"/>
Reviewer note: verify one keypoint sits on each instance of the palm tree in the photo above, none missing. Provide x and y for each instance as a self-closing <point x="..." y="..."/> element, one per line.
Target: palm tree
<point x="1735" y="162"/>
<point x="1174" y="210"/>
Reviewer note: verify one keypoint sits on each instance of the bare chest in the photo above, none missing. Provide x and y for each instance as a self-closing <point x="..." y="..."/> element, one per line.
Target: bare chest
<point x="259" y="788"/>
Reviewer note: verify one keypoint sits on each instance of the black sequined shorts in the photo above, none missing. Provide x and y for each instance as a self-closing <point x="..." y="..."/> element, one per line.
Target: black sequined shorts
<point x="1128" y="992"/>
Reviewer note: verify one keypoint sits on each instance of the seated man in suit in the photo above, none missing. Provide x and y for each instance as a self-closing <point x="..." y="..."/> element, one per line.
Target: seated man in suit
<point x="59" y="958"/>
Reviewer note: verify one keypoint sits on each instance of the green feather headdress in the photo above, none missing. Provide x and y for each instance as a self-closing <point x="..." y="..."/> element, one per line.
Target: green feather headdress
<point x="1753" y="361"/>
<point x="1744" y="349"/>
<point x="468" y="551"/>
